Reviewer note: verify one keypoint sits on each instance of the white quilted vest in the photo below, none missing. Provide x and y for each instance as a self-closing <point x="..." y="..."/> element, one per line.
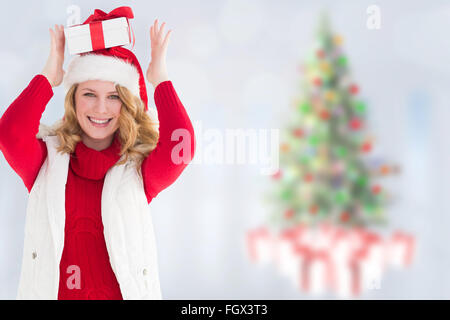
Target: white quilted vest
<point x="127" y="222"/>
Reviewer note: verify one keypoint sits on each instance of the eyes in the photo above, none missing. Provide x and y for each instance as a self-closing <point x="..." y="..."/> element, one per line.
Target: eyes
<point x="113" y="96"/>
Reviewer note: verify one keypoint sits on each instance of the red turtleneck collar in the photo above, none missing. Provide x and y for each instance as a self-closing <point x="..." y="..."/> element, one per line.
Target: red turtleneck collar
<point x="92" y="164"/>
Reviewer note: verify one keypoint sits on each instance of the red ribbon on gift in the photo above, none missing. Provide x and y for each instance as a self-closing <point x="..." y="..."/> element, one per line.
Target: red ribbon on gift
<point x="253" y="236"/>
<point x="310" y="255"/>
<point x="96" y="28"/>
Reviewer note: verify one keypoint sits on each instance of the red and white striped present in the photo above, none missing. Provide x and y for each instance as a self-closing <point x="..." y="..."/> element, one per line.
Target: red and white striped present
<point x="101" y="31"/>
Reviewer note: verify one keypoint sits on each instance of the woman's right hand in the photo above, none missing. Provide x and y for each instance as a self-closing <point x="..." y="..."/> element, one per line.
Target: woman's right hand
<point x="53" y="70"/>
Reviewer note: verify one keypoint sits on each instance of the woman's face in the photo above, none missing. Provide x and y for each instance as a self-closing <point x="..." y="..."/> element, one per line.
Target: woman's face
<point x="97" y="106"/>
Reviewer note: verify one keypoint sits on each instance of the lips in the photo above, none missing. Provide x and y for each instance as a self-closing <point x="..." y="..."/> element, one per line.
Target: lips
<point x="99" y="124"/>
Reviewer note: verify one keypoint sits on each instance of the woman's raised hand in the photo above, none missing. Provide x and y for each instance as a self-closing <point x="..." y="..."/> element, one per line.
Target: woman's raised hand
<point x="157" y="71"/>
<point x="53" y="69"/>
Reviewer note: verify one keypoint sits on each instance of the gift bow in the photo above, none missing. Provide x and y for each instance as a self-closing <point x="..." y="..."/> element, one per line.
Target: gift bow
<point x="99" y="15"/>
<point x="96" y="19"/>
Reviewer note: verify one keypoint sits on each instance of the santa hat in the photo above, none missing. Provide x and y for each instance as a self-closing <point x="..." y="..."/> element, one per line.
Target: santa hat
<point x="115" y="64"/>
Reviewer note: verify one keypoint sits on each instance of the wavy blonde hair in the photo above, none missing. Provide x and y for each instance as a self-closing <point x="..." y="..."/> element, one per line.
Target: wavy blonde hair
<point x="137" y="135"/>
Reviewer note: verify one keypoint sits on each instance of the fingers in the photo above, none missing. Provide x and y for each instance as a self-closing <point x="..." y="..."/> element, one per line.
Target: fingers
<point x="157" y="34"/>
<point x="167" y="38"/>
<point x="161" y="30"/>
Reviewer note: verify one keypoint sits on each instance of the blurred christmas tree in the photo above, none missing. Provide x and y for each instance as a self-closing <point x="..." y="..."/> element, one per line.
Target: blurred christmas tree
<point x="324" y="175"/>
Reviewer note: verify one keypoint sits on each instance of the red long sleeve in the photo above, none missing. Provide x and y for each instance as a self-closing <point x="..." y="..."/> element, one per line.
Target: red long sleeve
<point x="19" y="126"/>
<point x="26" y="154"/>
<point x="158" y="169"/>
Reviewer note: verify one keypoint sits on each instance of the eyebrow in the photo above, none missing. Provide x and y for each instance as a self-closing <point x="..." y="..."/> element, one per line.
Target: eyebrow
<point x="94" y="90"/>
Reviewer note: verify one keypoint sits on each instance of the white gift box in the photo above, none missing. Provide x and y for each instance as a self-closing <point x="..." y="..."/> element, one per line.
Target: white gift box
<point x="260" y="245"/>
<point x="98" y="35"/>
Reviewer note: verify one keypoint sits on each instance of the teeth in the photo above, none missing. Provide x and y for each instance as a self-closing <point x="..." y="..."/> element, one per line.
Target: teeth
<point x="98" y="121"/>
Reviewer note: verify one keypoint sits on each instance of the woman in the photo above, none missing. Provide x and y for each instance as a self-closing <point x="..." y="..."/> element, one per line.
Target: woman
<point x="88" y="234"/>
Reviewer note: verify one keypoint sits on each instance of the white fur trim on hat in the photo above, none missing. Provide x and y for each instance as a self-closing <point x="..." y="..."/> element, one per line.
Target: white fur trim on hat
<point x="101" y="67"/>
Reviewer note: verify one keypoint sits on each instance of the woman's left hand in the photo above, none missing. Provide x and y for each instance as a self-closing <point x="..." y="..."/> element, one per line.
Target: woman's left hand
<point x="157" y="71"/>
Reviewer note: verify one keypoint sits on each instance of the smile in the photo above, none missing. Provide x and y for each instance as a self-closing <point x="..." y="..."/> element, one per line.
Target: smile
<point x="99" y="123"/>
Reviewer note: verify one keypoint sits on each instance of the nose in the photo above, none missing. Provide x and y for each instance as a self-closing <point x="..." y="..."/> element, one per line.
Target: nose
<point x="101" y="105"/>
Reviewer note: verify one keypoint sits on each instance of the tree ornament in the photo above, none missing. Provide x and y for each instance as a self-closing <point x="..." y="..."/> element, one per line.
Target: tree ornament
<point x="345" y="216"/>
<point x="338" y="40"/>
<point x="305" y="107"/>
<point x="355" y="123"/>
<point x="325" y="67"/>
<point x="342" y="61"/>
<point x="313" y="209"/>
<point x="317" y="82"/>
<point x="324" y="115"/>
<point x="385" y="169"/>
<point x="362" y="181"/>
<point x="360" y="107"/>
<point x="308" y="177"/>
<point x="341" y="197"/>
<point x="376" y="189"/>
<point x="330" y="96"/>
<point x="298" y="133"/>
<point x="314" y="140"/>
<point x="366" y="147"/>
<point x="341" y="151"/>
<point x="320" y="54"/>
<point x="288" y="214"/>
<point x="353" y="89"/>
<point x="284" y="147"/>
<point x="286" y="194"/>
<point x="338" y="110"/>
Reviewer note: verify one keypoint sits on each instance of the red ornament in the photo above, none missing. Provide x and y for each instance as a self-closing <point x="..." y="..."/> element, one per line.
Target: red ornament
<point x="376" y="189"/>
<point x="313" y="209"/>
<point x="354" y="89"/>
<point x="277" y="175"/>
<point x="345" y="216"/>
<point x="298" y="133"/>
<point x="320" y="53"/>
<point x="355" y="124"/>
<point x="288" y="214"/>
<point x="366" y="146"/>
<point x="324" y="115"/>
<point x="318" y="82"/>
<point x="308" y="177"/>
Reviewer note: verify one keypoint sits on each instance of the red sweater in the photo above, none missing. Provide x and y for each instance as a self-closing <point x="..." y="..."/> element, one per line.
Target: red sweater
<point x="84" y="243"/>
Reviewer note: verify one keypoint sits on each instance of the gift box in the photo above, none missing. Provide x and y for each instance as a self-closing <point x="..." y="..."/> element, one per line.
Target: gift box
<point x="284" y="251"/>
<point x="260" y="245"/>
<point x="98" y="35"/>
<point x="401" y="249"/>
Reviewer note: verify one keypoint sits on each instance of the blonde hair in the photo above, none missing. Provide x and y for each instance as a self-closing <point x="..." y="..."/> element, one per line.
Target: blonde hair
<point x="137" y="134"/>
